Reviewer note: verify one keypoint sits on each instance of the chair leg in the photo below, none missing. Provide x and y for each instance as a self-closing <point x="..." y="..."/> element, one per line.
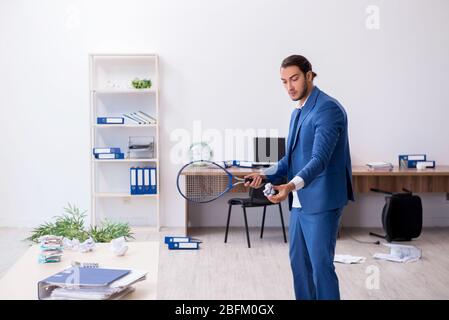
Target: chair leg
<point x="227" y="223"/>
<point x="246" y="226"/>
<point x="282" y="222"/>
<point x="263" y="221"/>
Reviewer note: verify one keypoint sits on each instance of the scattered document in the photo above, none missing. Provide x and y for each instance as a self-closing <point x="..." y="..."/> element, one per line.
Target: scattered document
<point x="388" y="166"/>
<point x="399" y="253"/>
<point x="348" y="259"/>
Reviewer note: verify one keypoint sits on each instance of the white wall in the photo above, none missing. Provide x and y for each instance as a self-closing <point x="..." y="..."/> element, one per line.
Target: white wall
<point x="219" y="64"/>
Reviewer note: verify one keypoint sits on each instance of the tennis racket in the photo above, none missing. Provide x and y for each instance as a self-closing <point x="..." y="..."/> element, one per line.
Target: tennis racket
<point x="206" y="181"/>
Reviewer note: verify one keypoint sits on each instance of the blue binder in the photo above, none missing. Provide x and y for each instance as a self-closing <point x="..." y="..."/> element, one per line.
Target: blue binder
<point x="146" y="181"/>
<point x="428" y="163"/>
<point x="410" y="160"/>
<point x="110" y="120"/>
<point x="119" y="155"/>
<point x="153" y="181"/>
<point x="86" y="276"/>
<point x="106" y="150"/>
<point x="139" y="180"/>
<point x="183" y="245"/>
<point x="170" y="239"/>
<point x="133" y="180"/>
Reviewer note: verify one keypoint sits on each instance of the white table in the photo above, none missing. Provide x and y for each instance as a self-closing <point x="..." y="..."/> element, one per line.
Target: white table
<point x="20" y="281"/>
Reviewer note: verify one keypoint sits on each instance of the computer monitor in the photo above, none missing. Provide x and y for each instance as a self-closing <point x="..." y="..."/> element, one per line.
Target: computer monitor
<point x="268" y="150"/>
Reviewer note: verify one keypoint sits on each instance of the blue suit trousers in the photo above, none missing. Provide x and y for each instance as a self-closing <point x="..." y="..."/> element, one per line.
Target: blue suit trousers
<point x="312" y="249"/>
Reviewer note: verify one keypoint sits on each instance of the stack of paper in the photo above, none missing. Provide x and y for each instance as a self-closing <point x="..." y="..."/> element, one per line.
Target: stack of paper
<point x="51" y="248"/>
<point x="387" y="166"/>
<point x="399" y="253"/>
<point x="348" y="259"/>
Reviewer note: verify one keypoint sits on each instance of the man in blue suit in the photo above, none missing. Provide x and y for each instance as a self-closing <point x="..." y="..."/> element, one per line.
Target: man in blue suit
<point x="317" y="165"/>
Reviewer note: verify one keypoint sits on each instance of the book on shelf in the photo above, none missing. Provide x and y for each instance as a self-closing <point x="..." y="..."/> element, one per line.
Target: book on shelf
<point x="131" y="120"/>
<point x="139" y="117"/>
<point x="146" y="116"/>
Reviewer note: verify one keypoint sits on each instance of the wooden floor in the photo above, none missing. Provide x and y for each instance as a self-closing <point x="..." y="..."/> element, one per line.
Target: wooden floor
<point x="232" y="271"/>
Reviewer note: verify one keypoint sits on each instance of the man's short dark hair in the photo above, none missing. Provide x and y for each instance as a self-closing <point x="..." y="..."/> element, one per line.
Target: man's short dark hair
<point x="300" y="61"/>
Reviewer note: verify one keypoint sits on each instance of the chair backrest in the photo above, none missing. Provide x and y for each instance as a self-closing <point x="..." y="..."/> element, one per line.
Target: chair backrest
<point x="257" y="196"/>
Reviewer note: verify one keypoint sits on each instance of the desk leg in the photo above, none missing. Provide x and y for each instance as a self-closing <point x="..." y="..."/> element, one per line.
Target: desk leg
<point x="186" y="221"/>
<point x="186" y="211"/>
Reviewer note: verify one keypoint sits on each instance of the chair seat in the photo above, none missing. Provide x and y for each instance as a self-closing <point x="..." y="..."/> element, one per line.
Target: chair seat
<point x="248" y="202"/>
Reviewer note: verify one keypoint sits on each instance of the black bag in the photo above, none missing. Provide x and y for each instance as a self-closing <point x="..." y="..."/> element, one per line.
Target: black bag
<point x="401" y="216"/>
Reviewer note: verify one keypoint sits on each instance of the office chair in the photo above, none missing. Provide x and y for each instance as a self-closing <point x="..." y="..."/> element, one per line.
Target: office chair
<point x="256" y="199"/>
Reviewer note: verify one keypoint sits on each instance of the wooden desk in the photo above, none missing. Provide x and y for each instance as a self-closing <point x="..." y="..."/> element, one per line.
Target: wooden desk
<point x="20" y="281"/>
<point x="236" y="171"/>
<point x="429" y="180"/>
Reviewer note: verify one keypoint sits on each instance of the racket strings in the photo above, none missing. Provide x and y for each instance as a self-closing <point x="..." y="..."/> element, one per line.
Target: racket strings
<point x="205" y="183"/>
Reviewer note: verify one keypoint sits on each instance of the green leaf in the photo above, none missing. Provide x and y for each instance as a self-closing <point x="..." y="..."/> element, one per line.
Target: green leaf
<point x="71" y="225"/>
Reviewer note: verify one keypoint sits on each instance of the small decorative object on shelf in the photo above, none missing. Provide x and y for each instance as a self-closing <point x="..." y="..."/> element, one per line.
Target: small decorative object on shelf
<point x="111" y="85"/>
<point x="141" y="84"/>
<point x="141" y="147"/>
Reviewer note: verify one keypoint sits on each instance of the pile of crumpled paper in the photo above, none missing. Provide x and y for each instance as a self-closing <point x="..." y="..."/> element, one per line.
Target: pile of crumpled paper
<point x="399" y="253"/>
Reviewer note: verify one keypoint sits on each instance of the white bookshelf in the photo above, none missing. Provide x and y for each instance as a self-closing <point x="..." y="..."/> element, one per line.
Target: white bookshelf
<point x="124" y="125"/>
<point x="111" y="95"/>
<point x="122" y="195"/>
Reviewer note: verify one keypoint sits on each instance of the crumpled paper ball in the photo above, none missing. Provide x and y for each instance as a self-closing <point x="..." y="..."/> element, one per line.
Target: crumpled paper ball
<point x="87" y="245"/>
<point x="71" y="244"/>
<point x="75" y="245"/>
<point x="268" y="190"/>
<point x="119" y="246"/>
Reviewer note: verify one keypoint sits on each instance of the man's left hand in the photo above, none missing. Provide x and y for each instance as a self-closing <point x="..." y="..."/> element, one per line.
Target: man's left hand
<point x="284" y="190"/>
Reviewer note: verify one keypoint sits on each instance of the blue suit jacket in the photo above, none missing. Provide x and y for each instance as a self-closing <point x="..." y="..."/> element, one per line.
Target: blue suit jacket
<point x="320" y="155"/>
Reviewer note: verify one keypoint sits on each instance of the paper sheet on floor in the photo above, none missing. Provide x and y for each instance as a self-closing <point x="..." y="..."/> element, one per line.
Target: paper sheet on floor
<point x="348" y="259"/>
<point x="399" y="253"/>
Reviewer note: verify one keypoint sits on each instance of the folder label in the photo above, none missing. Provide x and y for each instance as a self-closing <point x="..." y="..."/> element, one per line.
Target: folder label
<point x="106" y="150"/>
<point x="183" y="245"/>
<point x="133" y="182"/>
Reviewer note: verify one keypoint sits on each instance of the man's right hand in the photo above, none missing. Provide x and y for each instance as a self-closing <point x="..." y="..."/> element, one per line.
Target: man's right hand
<point x="257" y="180"/>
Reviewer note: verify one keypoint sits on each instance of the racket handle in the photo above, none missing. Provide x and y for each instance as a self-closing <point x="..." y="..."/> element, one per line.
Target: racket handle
<point x="251" y="180"/>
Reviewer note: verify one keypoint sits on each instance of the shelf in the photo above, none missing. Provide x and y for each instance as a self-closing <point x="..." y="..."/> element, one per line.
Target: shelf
<point x="123" y="195"/>
<point x="125" y="160"/>
<point x="111" y="94"/>
<point x="123" y="55"/>
<point x="125" y="125"/>
<point x="125" y="91"/>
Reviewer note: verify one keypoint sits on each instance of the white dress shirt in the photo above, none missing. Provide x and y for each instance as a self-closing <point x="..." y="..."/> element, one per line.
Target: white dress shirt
<point x="297" y="180"/>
